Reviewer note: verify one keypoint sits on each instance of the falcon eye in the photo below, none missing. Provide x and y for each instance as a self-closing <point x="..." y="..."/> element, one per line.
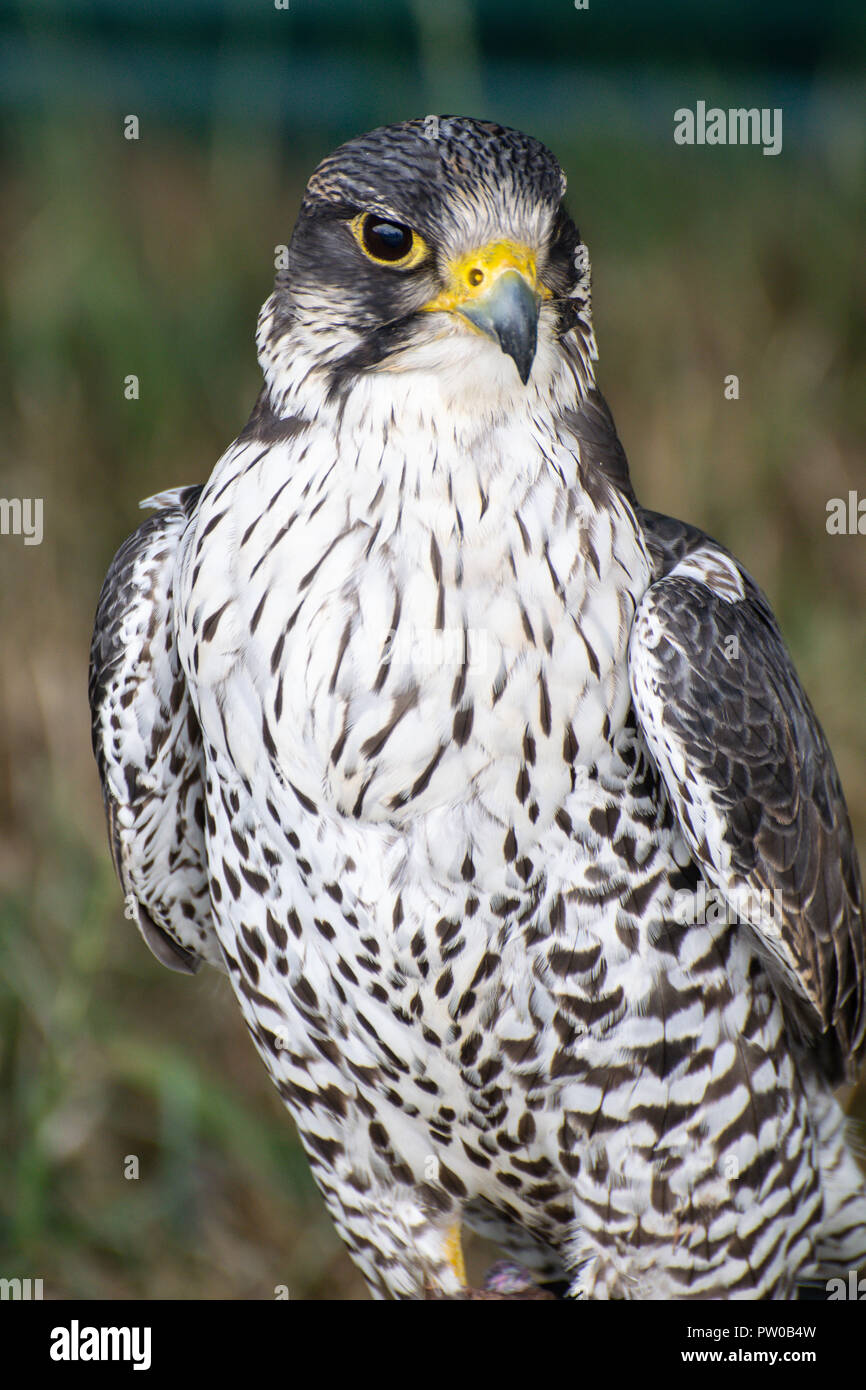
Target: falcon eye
<point x="387" y="241"/>
<point x="391" y="243"/>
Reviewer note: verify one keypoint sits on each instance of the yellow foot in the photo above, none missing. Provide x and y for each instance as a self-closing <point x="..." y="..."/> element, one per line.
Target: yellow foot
<point x="454" y="1252"/>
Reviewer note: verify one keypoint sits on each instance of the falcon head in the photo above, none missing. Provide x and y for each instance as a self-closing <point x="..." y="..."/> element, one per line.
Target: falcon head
<point x="435" y="246"/>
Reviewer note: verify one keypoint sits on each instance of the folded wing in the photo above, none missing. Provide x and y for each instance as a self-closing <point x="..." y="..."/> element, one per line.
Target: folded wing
<point x="147" y="744"/>
<point x="752" y="780"/>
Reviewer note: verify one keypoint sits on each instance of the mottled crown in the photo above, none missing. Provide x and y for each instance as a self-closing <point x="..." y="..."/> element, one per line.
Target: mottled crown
<point x="418" y="167"/>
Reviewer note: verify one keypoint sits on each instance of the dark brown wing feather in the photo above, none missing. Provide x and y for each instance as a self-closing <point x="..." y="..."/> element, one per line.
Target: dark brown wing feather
<point x="757" y="751"/>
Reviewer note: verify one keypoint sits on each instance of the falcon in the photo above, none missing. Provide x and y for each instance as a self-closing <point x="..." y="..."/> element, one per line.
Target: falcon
<point x="496" y="794"/>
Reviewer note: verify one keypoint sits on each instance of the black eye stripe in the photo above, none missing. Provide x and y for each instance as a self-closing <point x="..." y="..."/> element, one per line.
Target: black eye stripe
<point x="387" y="241"/>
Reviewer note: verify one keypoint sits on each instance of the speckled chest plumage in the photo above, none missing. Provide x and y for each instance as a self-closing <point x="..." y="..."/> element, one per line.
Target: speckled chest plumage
<point x="462" y="882"/>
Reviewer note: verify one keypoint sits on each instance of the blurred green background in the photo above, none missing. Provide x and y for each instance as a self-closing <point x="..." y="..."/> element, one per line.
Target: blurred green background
<point x="152" y="257"/>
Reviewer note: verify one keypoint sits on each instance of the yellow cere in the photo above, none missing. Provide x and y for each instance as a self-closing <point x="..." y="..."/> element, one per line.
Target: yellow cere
<point x="473" y="274"/>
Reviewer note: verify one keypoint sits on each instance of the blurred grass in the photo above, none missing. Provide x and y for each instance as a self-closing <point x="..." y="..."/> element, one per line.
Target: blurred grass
<point x="153" y="258"/>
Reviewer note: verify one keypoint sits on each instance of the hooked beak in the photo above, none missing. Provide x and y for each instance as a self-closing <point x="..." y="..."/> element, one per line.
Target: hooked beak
<point x="497" y="290"/>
